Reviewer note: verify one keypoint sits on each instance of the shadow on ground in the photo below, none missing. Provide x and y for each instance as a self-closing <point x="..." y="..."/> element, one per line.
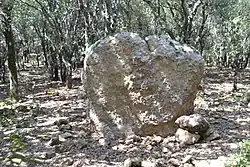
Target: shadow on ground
<point x="47" y="102"/>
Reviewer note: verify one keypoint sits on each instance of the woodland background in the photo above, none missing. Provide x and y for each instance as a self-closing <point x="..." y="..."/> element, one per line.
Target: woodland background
<point x="42" y="47"/>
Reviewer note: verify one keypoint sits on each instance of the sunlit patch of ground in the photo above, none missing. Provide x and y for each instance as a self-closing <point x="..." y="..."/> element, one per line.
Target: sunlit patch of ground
<point x="227" y="111"/>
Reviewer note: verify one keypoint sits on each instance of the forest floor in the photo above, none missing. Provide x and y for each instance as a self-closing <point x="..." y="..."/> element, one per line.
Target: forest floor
<point x="50" y="126"/>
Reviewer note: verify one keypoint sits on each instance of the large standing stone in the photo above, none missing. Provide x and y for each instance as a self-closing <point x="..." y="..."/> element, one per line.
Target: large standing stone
<point x="140" y="86"/>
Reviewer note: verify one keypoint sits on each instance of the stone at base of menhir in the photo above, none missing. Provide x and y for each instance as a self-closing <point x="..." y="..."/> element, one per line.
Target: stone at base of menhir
<point x="194" y="123"/>
<point x="133" y="162"/>
<point x="185" y="137"/>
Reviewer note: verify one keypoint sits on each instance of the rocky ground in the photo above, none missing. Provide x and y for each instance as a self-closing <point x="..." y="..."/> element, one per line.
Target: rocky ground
<point x="50" y="127"/>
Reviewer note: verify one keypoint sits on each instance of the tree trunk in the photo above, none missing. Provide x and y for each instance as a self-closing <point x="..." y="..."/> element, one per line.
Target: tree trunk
<point x="44" y="53"/>
<point x="235" y="80"/>
<point x="10" y="43"/>
<point x="53" y="64"/>
<point x="63" y="68"/>
<point x="4" y="72"/>
<point x="56" y="74"/>
<point x="12" y="65"/>
<point x="69" y="78"/>
<point x="3" y="67"/>
<point x="37" y="60"/>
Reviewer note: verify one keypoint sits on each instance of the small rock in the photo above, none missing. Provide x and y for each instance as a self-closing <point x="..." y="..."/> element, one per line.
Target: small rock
<point x="149" y="147"/>
<point x="102" y="157"/>
<point x="79" y="163"/>
<point x="61" y="121"/>
<point x="173" y="146"/>
<point x="158" y="139"/>
<point x="84" y="115"/>
<point x="133" y="149"/>
<point x="132" y="138"/>
<point x="193" y="123"/>
<point x="83" y="144"/>
<point x="22" y="164"/>
<point x="156" y="154"/>
<point x="210" y="163"/>
<point x="68" y="162"/>
<point x="169" y="139"/>
<point x="16" y="160"/>
<point x="1" y="134"/>
<point x="67" y="135"/>
<point x="187" y="165"/>
<point x="22" y="108"/>
<point x="65" y="127"/>
<point x="19" y="125"/>
<point x="121" y="141"/>
<point x="174" y="162"/>
<point x="144" y="141"/>
<point x="170" y="145"/>
<point x="187" y="159"/>
<point x="208" y="133"/>
<point x="169" y="165"/>
<point x="133" y="162"/>
<point x="54" y="141"/>
<point x="102" y="142"/>
<point x="122" y="147"/>
<point x="115" y="147"/>
<point x="50" y="154"/>
<point x="129" y="141"/>
<point x="137" y="139"/>
<point x="165" y="150"/>
<point x="161" y="162"/>
<point x="233" y="146"/>
<point x="78" y="117"/>
<point x="223" y="158"/>
<point x="201" y="163"/>
<point x="185" y="137"/>
<point x="149" y="164"/>
<point x="211" y="135"/>
<point x="58" y="149"/>
<point x="61" y="139"/>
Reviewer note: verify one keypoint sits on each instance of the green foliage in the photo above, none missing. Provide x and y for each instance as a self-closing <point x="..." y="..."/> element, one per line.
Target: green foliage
<point x="17" y="142"/>
<point x="2" y="103"/>
<point x="7" y="101"/>
<point x="10" y="100"/>
<point x="18" y="157"/>
<point x="10" y="114"/>
<point x="229" y="32"/>
<point x="247" y="97"/>
<point x="26" y="122"/>
<point x="242" y="159"/>
<point x="22" y="108"/>
<point x="68" y="27"/>
<point x="51" y="92"/>
<point x="7" y="116"/>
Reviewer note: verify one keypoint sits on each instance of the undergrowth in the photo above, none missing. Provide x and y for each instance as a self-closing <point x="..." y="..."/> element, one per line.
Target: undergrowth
<point x="241" y="159"/>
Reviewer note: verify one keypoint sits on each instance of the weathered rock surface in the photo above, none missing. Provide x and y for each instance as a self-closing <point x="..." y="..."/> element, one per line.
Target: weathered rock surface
<point x="185" y="137"/>
<point x="193" y="123"/>
<point x="192" y="126"/>
<point x="133" y="162"/>
<point x="219" y="162"/>
<point x="140" y="86"/>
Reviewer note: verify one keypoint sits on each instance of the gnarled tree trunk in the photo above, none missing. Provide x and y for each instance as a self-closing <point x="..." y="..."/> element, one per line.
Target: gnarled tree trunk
<point x="9" y="39"/>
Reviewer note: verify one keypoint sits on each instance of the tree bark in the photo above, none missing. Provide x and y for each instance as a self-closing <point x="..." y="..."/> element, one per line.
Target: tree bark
<point x="10" y="43"/>
<point x="69" y="83"/>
